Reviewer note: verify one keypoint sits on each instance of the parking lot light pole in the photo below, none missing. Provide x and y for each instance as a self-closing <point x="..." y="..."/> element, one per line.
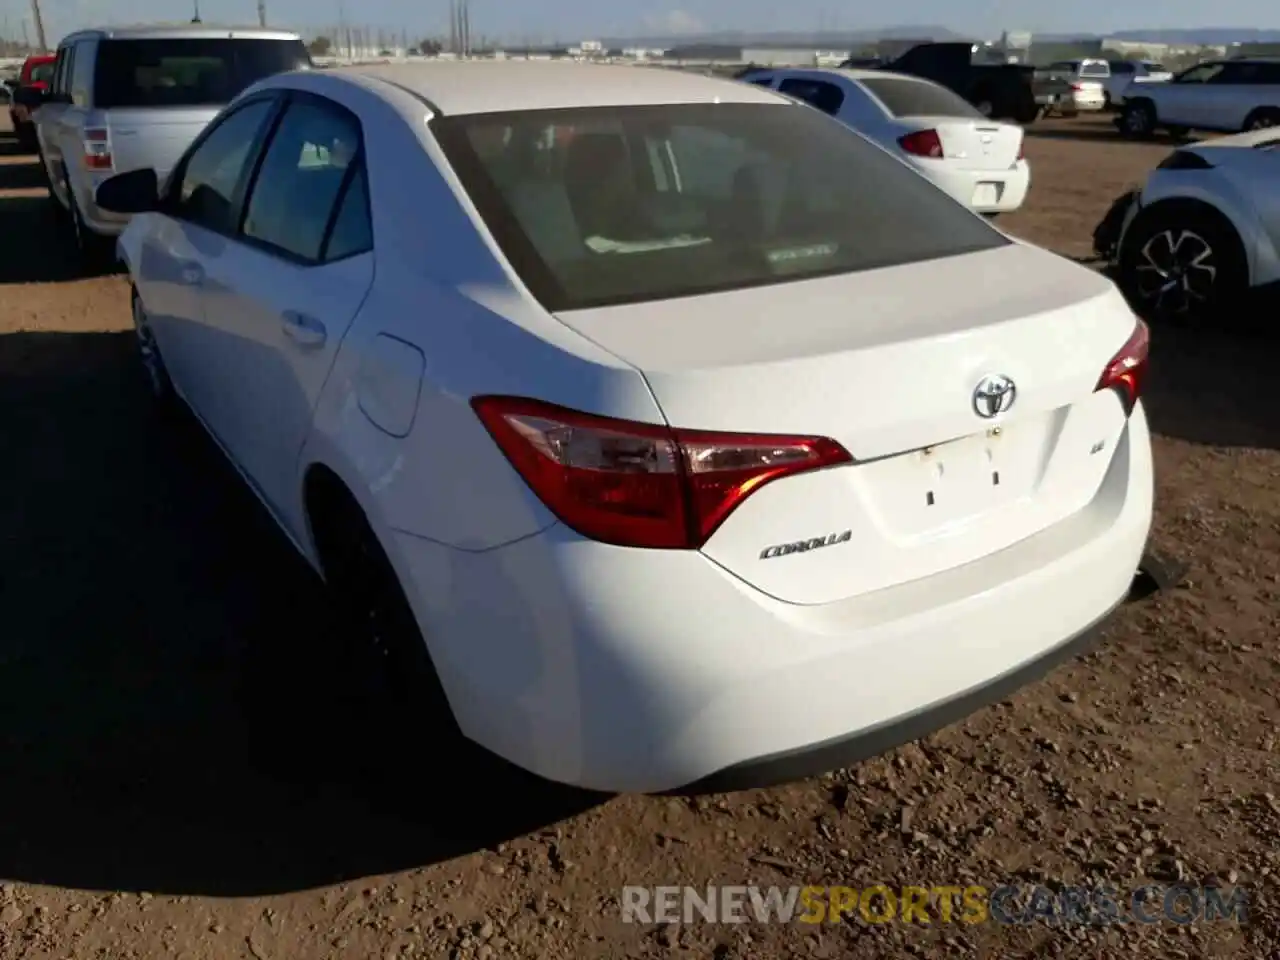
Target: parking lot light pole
<point x="39" y="22"/>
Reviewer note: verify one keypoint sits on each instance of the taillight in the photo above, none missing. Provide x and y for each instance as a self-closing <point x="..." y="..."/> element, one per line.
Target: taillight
<point x="1077" y="87"/>
<point x="922" y="143"/>
<point x="1127" y="370"/>
<point x="637" y="484"/>
<point x="1022" y="150"/>
<point x="97" y="149"/>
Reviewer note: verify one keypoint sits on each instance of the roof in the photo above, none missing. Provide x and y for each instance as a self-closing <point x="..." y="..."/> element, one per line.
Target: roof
<point x="491" y="86"/>
<point x="170" y="31"/>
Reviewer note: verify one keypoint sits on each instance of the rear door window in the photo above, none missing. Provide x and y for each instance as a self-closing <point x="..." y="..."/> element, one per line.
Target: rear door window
<point x="914" y="98"/>
<point x="827" y="97"/>
<point x="188" y="71"/>
<point x="304" y="172"/>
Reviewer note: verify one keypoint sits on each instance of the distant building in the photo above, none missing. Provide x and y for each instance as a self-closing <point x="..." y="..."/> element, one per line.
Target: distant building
<point x="721" y="52"/>
<point x="792" y="57"/>
<point x="1136" y="48"/>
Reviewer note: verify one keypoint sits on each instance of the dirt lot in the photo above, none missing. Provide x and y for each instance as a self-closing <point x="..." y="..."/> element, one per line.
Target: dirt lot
<point x="182" y="775"/>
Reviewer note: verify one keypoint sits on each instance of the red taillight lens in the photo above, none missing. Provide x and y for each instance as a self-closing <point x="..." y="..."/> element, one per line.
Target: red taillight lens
<point x="1127" y="371"/>
<point x="922" y="143"/>
<point x="1022" y="149"/>
<point x="638" y="484"/>
<point x="97" y="149"/>
<point x="1077" y="87"/>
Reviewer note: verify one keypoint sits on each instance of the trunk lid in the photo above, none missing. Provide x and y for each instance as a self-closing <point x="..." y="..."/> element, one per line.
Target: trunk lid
<point x="887" y="363"/>
<point x="153" y="137"/>
<point x="971" y="144"/>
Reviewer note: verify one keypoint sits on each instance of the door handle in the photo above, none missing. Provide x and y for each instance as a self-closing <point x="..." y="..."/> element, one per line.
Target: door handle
<point x="192" y="274"/>
<point x="302" y="328"/>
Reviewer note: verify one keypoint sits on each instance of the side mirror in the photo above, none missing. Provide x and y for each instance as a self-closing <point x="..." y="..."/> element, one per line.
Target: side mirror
<point x="135" y="191"/>
<point x="30" y="97"/>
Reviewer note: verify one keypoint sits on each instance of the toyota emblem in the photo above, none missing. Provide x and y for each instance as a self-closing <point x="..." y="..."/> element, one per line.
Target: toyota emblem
<point x="993" y="395"/>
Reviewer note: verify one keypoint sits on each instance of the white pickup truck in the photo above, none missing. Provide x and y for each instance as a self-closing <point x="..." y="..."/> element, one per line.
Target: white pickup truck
<point x="1125" y="73"/>
<point x="1220" y="95"/>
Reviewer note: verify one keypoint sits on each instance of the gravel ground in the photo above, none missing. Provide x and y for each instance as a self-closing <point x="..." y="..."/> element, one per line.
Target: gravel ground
<point x="185" y="775"/>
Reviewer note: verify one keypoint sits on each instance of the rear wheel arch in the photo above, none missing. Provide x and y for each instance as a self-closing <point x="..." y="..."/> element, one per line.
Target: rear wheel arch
<point x="326" y="499"/>
<point x="1268" y="113"/>
<point x="366" y="580"/>
<point x="1191" y="209"/>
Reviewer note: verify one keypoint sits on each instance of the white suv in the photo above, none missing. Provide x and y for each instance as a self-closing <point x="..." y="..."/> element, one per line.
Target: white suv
<point x="1229" y="96"/>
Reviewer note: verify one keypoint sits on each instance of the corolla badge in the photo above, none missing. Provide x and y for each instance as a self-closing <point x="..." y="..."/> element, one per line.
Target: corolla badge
<point x="993" y="395"/>
<point x="804" y="546"/>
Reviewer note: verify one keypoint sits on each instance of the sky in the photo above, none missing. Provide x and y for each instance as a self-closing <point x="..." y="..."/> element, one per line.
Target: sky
<point x="570" y="20"/>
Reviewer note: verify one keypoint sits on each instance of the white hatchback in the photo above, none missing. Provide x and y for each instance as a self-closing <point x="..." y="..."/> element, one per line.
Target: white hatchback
<point x="977" y="160"/>
<point x="684" y="436"/>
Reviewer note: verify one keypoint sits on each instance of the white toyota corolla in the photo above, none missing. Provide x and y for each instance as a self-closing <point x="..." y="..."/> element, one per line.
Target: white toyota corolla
<point x="701" y="440"/>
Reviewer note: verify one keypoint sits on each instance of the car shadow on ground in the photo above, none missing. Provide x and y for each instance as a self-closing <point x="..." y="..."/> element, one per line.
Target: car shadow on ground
<point x="1097" y="134"/>
<point x="9" y="147"/>
<point x="35" y="246"/>
<point x="16" y="175"/>
<point x="1214" y="387"/>
<point x="173" y="715"/>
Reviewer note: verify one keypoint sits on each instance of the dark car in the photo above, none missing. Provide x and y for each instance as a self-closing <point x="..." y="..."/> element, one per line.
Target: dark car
<point x="1012" y="91"/>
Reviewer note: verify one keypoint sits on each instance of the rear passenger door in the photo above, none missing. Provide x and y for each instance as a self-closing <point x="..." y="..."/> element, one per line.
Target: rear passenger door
<point x="280" y="298"/>
<point x="1228" y="97"/>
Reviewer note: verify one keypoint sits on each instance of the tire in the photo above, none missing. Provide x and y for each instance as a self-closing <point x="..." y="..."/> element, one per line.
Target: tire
<point x="1138" y="121"/>
<point x="1106" y="101"/>
<point x="1182" y="261"/>
<point x="1263" y="118"/>
<point x="91" y="249"/>
<point x="377" y="634"/>
<point x="158" y="382"/>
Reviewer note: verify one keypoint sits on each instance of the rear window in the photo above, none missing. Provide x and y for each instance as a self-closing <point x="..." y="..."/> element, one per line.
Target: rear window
<point x="188" y="72"/>
<point x="913" y="98"/>
<point x="615" y="205"/>
<point x="1095" y="70"/>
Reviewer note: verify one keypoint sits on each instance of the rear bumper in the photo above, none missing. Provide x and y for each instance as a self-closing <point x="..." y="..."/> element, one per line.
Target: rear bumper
<point x="1086" y="102"/>
<point x="647" y="670"/>
<point x="846" y="751"/>
<point x="967" y="186"/>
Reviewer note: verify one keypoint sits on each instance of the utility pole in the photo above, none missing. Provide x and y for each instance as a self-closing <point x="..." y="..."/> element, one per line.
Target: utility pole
<point x="262" y="13"/>
<point x="195" y="11"/>
<point x="39" y="22"/>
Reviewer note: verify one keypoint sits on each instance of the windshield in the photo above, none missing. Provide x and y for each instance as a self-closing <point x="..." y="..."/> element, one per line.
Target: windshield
<point x="918" y="98"/>
<point x="626" y="204"/>
<point x="188" y="72"/>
